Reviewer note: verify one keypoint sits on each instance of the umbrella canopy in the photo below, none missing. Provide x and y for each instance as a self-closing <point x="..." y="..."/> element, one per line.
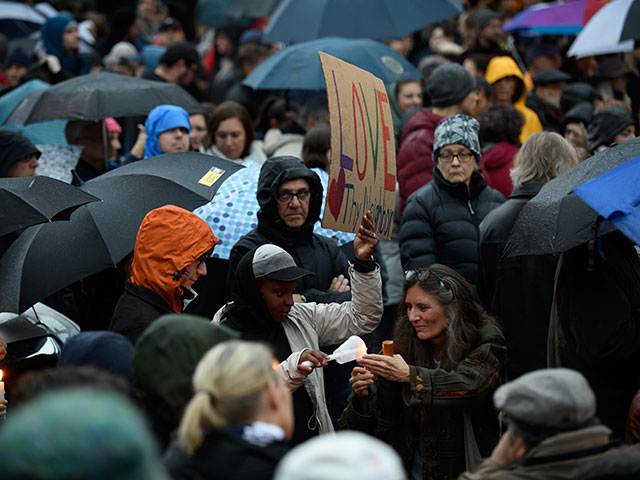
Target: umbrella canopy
<point x="616" y="196"/>
<point x="251" y="8"/>
<point x="19" y="20"/>
<point x="46" y="258"/>
<point x="298" y="67"/>
<point x="233" y="211"/>
<point x="302" y="20"/>
<point x="556" y="220"/>
<point x="610" y="30"/>
<point x="557" y="18"/>
<point x="49" y="133"/>
<point x="28" y="201"/>
<point x="100" y="95"/>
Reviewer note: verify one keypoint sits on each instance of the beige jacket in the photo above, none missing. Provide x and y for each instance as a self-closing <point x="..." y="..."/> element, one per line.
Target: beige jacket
<point x="313" y="324"/>
<point x="563" y="456"/>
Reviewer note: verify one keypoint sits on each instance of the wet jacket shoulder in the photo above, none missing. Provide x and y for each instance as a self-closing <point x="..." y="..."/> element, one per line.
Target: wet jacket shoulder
<point x="441" y="222"/>
<point x="316" y="253"/>
<point x="223" y="456"/>
<point x="415" y="164"/>
<point x="136" y="309"/>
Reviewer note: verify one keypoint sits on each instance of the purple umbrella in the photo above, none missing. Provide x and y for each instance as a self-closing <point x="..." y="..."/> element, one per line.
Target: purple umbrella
<point x="557" y="18"/>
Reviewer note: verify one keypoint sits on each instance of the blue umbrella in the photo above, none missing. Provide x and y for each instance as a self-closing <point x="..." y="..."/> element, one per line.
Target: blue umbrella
<point x="49" y="133"/>
<point x="298" y="67"/>
<point x="301" y="20"/>
<point x="616" y="196"/>
<point x="232" y="212"/>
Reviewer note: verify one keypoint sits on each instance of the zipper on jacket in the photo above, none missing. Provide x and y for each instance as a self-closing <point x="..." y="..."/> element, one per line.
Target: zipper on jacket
<point x="470" y="207"/>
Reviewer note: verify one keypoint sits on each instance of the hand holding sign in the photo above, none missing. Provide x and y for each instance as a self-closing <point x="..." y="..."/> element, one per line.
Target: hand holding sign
<point x="365" y="242"/>
<point x="363" y="163"/>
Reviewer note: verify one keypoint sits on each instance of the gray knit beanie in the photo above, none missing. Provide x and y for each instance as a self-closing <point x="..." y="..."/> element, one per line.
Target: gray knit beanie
<point x="457" y="130"/>
<point x="449" y="84"/>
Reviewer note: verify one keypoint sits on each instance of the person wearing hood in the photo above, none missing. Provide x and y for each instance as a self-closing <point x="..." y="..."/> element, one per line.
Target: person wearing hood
<point x="609" y="125"/>
<point x="264" y="310"/>
<point x="574" y="127"/>
<point x="166" y="130"/>
<point x="19" y="156"/>
<point x="164" y="359"/>
<point x="508" y="87"/>
<point x="290" y="197"/>
<point x="169" y="256"/>
<point x="441" y="221"/>
<point x="544" y="99"/>
<point x="60" y="38"/>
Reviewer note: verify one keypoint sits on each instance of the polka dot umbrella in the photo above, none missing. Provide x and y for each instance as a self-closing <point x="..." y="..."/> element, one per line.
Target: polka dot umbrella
<point x="232" y="212"/>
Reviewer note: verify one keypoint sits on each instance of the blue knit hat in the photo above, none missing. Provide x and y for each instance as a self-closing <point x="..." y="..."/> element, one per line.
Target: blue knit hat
<point x="457" y="130"/>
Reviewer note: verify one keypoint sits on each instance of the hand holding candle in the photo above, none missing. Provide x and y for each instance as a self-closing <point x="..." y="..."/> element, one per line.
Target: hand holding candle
<point x="311" y="359"/>
<point x="353" y="349"/>
<point x="394" y="368"/>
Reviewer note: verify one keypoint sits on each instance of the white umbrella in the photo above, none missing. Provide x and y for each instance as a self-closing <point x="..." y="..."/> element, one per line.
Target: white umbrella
<point x="602" y="33"/>
<point x="20" y="11"/>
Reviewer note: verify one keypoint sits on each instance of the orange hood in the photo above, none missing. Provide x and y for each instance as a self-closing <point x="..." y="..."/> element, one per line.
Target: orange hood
<point x="169" y="239"/>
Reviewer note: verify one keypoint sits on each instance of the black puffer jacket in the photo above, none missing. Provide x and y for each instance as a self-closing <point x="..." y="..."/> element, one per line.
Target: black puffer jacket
<point x="440" y="224"/>
<point x="315" y="253"/>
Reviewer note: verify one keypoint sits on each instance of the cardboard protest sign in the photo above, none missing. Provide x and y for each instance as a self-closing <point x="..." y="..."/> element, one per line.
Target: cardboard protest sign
<point x="362" y="174"/>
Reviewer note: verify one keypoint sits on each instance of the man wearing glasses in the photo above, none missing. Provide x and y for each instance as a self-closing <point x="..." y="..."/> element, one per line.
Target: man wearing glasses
<point x="290" y="197"/>
<point x="441" y="220"/>
<point x="171" y="248"/>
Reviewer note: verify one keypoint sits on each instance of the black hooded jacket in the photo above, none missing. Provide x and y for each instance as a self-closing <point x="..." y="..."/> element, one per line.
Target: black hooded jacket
<point x="13" y="148"/>
<point x="312" y="252"/>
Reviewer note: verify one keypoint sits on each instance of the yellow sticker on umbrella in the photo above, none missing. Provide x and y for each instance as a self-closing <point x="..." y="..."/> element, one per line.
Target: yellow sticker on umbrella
<point x="211" y="176"/>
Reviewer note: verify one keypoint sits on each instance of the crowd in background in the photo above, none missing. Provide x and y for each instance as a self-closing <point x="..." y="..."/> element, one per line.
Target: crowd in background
<point x="492" y="120"/>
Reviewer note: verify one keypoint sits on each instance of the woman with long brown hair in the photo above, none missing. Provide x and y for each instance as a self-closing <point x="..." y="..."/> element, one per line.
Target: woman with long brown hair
<point x="432" y="399"/>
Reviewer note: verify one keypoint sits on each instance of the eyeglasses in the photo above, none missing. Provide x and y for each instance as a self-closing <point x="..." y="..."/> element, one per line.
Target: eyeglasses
<point x="203" y="258"/>
<point x="285" y="196"/>
<point x="423" y="276"/>
<point x="463" y="157"/>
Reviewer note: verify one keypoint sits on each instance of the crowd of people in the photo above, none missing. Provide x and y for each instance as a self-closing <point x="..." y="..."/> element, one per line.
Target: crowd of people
<point x="193" y="367"/>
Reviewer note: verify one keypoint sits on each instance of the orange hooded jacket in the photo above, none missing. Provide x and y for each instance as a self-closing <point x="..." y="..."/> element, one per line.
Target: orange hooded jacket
<point x="169" y="239"/>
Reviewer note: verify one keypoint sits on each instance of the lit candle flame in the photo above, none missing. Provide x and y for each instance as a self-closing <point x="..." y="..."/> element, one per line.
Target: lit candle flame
<point x="275" y="365"/>
<point x="1" y="374"/>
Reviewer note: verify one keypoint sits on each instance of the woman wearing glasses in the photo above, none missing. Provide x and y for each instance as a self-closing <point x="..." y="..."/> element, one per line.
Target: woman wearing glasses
<point x="441" y="219"/>
<point x="169" y="256"/>
<point x="432" y="399"/>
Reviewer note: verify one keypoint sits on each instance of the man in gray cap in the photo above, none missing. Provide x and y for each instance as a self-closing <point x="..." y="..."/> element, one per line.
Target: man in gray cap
<point x="552" y="430"/>
<point x="452" y="90"/>
<point x="544" y="99"/>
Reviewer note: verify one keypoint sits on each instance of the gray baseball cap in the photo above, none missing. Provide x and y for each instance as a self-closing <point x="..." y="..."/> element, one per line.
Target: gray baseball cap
<point x="552" y="397"/>
<point x="274" y="262"/>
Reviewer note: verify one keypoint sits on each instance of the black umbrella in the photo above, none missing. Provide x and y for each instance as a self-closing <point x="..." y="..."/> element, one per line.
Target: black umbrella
<point x="100" y="95"/>
<point x="46" y="258"/>
<point x="28" y="201"/>
<point x="556" y="219"/>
